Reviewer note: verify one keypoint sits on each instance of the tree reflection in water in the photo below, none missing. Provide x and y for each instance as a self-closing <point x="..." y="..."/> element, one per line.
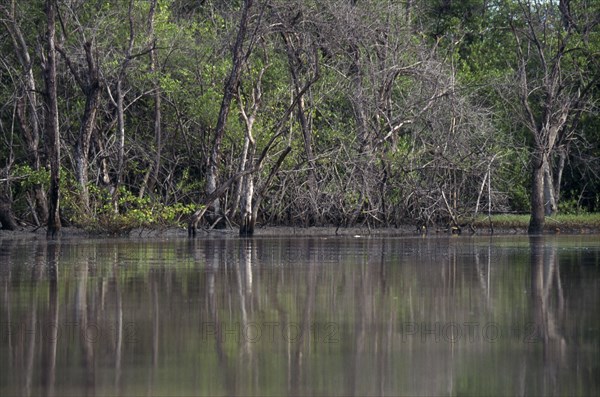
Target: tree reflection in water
<point x="548" y="308"/>
<point x="298" y="316"/>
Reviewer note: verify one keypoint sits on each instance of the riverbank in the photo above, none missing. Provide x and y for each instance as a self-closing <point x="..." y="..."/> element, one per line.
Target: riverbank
<point x="560" y="223"/>
<point x="497" y="224"/>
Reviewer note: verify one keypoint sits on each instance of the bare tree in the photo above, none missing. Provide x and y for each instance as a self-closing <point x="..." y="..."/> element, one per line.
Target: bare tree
<point x="246" y="185"/>
<point x="119" y="103"/>
<point x="28" y="109"/>
<point x="298" y="27"/>
<point x="52" y="126"/>
<point x="239" y="56"/>
<point x="89" y="83"/>
<point x="152" y="176"/>
<point x="400" y="92"/>
<point x="252" y="196"/>
<point x="551" y="88"/>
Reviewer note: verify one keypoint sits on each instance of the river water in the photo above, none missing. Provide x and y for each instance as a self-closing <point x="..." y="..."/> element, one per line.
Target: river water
<point x="300" y="315"/>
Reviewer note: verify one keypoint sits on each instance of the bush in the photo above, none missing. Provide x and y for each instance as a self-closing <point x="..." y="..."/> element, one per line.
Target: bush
<point x="132" y="212"/>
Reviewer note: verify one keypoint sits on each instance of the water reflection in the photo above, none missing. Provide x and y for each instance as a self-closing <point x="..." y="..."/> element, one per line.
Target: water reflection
<point x="300" y="316"/>
<point x="548" y="309"/>
<point x="51" y="323"/>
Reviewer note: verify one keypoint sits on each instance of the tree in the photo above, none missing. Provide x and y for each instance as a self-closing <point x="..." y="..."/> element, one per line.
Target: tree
<point x="299" y="28"/>
<point x="297" y="112"/>
<point x="552" y="86"/>
<point x="52" y="126"/>
<point x="153" y="69"/>
<point x="28" y="108"/>
<point x="88" y="81"/>
<point x="239" y="56"/>
<point x="119" y="103"/>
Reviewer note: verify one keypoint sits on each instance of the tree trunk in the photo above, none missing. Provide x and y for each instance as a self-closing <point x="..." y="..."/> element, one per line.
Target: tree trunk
<point x="248" y="219"/>
<point x="155" y="167"/>
<point x="537" y="220"/>
<point x="120" y="144"/>
<point x="237" y="196"/>
<point x="157" y="104"/>
<point x="7" y="219"/>
<point x="549" y="198"/>
<point x="52" y="132"/>
<point x="120" y="105"/>
<point x="98" y="146"/>
<point x="247" y="182"/>
<point x="91" y="90"/>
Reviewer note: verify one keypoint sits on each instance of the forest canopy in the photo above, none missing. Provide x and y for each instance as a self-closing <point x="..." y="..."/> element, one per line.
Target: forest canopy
<point x="117" y="114"/>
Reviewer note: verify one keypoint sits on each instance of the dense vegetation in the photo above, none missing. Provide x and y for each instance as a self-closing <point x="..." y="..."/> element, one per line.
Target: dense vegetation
<point x="116" y="114"/>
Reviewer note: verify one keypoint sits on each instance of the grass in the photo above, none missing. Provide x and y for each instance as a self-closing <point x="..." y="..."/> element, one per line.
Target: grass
<point x="558" y="222"/>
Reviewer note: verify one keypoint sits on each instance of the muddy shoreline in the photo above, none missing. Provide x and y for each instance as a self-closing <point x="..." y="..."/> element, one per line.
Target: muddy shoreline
<point x="173" y="232"/>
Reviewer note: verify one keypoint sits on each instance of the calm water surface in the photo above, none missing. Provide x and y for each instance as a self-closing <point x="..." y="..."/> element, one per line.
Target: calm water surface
<point x="301" y="316"/>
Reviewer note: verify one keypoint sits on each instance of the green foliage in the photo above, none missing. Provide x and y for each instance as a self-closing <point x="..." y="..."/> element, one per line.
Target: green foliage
<point x="571" y="207"/>
<point x="391" y="58"/>
<point x="27" y="177"/>
<point x="133" y="212"/>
